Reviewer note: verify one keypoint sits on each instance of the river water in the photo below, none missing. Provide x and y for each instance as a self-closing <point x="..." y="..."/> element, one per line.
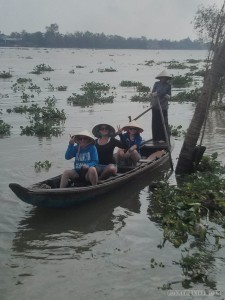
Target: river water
<point x="101" y="250"/>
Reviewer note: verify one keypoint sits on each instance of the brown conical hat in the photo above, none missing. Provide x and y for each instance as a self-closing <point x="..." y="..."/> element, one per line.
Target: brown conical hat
<point x="84" y="133"/>
<point x="164" y="74"/>
<point x="133" y="124"/>
<point x="96" y="130"/>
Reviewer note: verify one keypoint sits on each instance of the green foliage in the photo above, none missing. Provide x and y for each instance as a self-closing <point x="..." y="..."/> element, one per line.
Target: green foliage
<point x="62" y="88"/>
<point x="149" y="63"/>
<point x="44" y="121"/>
<point x="182" y="209"/>
<point x="39" y="69"/>
<point x="191" y="96"/>
<point x="128" y="83"/>
<point x="141" y="97"/>
<point x="93" y="93"/>
<point x="176" y="131"/>
<point x="42" y="165"/>
<point x="4" y="128"/>
<point x="143" y="89"/>
<point x="23" y="80"/>
<point x="107" y="70"/>
<point x="193" y="61"/>
<point x="176" y="65"/>
<point x="181" y="81"/>
<point x="5" y="75"/>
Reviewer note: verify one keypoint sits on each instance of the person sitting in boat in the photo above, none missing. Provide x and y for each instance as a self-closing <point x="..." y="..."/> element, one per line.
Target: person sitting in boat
<point x="105" y="144"/>
<point x="132" y="139"/>
<point x="86" y="158"/>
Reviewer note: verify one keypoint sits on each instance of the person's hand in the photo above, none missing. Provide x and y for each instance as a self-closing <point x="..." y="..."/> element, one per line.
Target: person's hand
<point x="119" y="130"/>
<point x="155" y="94"/>
<point x="167" y="97"/>
<point x="71" y="142"/>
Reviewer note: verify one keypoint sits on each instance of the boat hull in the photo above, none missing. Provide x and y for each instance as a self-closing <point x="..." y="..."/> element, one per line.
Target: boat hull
<point x="67" y="197"/>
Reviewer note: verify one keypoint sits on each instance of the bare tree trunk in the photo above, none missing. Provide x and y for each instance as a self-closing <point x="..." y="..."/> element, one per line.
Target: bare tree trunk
<point x="185" y="161"/>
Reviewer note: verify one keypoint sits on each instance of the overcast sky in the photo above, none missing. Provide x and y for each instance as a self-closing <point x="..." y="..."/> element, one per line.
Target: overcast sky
<point x="169" y="19"/>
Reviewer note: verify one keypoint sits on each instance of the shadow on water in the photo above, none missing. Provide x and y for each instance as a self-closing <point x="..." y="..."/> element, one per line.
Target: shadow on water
<point x="77" y="228"/>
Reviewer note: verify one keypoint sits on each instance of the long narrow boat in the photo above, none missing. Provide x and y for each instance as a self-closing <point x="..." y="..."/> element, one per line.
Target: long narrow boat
<point x="154" y="157"/>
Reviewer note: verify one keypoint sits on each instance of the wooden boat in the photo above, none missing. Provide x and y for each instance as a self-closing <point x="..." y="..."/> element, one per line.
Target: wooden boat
<point x="154" y="157"/>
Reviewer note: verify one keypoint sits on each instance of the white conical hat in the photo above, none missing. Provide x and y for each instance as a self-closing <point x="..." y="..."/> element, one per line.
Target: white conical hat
<point x="163" y="74"/>
<point x="132" y="124"/>
<point x="96" y="130"/>
<point x="84" y="133"/>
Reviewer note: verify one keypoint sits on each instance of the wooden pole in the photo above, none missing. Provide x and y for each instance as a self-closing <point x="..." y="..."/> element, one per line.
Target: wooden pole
<point x="165" y="131"/>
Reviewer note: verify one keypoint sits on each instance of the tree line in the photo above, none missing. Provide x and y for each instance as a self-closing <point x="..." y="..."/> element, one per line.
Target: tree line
<point x="52" y="38"/>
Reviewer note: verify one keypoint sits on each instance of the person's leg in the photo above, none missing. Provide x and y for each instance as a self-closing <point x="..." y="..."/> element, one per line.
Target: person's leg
<point x="67" y="174"/>
<point x="109" y="170"/>
<point x="119" y="156"/>
<point x="92" y="176"/>
<point x="135" y="156"/>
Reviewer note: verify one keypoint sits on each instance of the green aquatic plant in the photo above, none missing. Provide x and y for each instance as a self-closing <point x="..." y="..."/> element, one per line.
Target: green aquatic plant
<point x="181" y="81"/>
<point x="177" y="65"/>
<point x="128" y="83"/>
<point x="193" y="61"/>
<point x="4" y="128"/>
<point x="62" y="88"/>
<point x="149" y="63"/>
<point x="141" y="97"/>
<point x="39" y="69"/>
<point x="184" y="210"/>
<point x="5" y="75"/>
<point x="44" y="121"/>
<point x="41" y="128"/>
<point x="176" y="131"/>
<point x="143" y="89"/>
<point x="23" y="80"/>
<point x="187" y="96"/>
<point x="107" y="70"/>
<point x="93" y="93"/>
<point x="42" y="165"/>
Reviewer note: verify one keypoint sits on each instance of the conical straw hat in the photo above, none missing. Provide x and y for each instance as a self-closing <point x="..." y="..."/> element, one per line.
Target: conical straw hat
<point x="132" y="124"/>
<point x="96" y="130"/>
<point x="84" y="133"/>
<point x="163" y="74"/>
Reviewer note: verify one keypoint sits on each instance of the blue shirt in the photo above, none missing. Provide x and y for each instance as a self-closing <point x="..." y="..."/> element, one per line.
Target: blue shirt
<point x="125" y="139"/>
<point x="86" y="156"/>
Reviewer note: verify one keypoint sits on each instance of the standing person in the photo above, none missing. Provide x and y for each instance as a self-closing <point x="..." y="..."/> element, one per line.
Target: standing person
<point x="105" y="144"/>
<point x="86" y="158"/>
<point x="132" y="140"/>
<point x="162" y="90"/>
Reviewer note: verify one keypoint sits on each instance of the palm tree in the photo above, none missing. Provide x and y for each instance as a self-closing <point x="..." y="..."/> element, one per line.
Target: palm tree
<point x="214" y="72"/>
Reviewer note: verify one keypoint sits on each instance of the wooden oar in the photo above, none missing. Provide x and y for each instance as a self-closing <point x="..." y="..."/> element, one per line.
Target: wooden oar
<point x="135" y="119"/>
<point x="165" y="131"/>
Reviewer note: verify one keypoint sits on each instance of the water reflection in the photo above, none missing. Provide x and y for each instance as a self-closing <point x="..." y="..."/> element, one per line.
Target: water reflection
<point x="67" y="233"/>
<point x="59" y="234"/>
